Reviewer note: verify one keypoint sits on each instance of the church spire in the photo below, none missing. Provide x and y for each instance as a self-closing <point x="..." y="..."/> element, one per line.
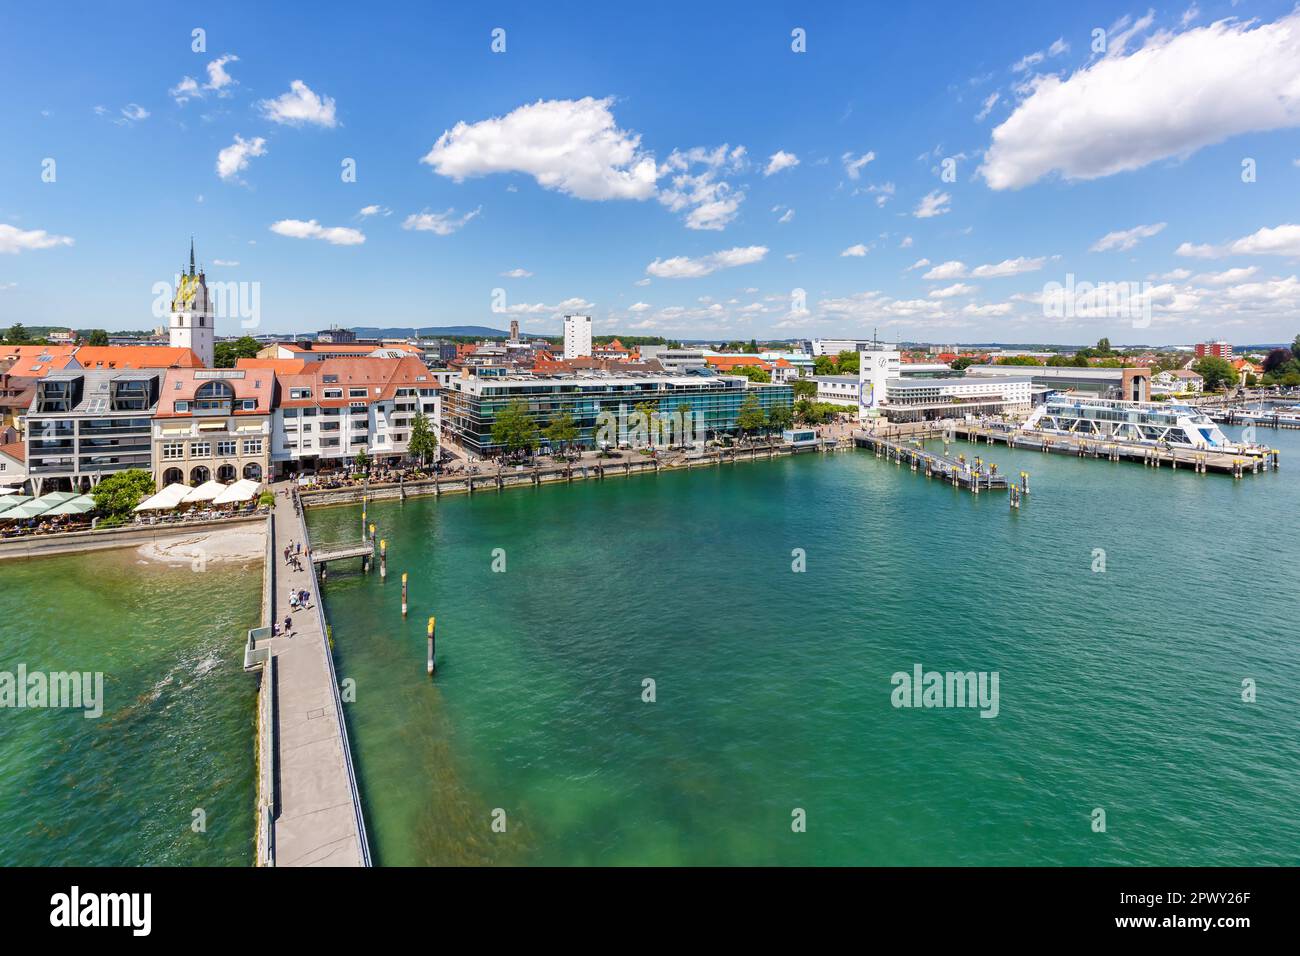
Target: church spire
<point x="191" y="255"/>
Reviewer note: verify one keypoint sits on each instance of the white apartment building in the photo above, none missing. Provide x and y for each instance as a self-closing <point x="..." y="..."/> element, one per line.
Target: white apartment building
<point x="336" y="408"/>
<point x="577" y="336"/>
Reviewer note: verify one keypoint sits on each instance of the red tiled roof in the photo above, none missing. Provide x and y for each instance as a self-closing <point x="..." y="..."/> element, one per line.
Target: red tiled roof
<point x="381" y="376"/>
<point x="102" y="357"/>
<point x="15" y="450"/>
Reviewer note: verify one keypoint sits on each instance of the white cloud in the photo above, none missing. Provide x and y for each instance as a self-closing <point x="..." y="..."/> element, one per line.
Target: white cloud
<point x="988" y="311"/>
<point x="1058" y="47"/>
<point x="218" y="78"/>
<point x="858" y="250"/>
<point x="952" y="269"/>
<point x="1178" y="93"/>
<point x="230" y="263"/>
<point x="439" y="223"/>
<point x="712" y="201"/>
<point x="947" y="292"/>
<point x="1008" y="267"/>
<point x="134" y="112"/>
<point x="374" y="210"/>
<point x="184" y="91"/>
<point x="918" y="264"/>
<point x="311" y="229"/>
<point x="638" y="306"/>
<point x="786" y="216"/>
<point x="1124" y="239"/>
<point x="906" y="243"/>
<point x="234" y="158"/>
<point x="300" y="106"/>
<point x="571" y="146"/>
<point x="932" y="204"/>
<point x="1190" y="14"/>
<point x="989" y="102"/>
<point x="1281" y="240"/>
<point x="780" y="160"/>
<point x="14" y="240"/>
<point x="684" y="267"/>
<point x="1227" y="276"/>
<point x="517" y="274"/>
<point x="853" y="164"/>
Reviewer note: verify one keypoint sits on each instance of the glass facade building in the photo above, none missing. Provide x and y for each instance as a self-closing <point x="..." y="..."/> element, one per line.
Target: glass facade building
<point x="471" y="404"/>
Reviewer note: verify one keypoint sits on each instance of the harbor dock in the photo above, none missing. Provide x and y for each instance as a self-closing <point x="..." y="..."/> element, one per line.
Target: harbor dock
<point x="312" y="812"/>
<point x="1153" y="456"/>
<point x="973" y="476"/>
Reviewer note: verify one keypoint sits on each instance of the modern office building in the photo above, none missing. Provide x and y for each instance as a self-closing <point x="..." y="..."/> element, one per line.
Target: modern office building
<point x="928" y="399"/>
<point x="213" y="424"/>
<point x="836" y="346"/>
<point x="83" y="425"/>
<point x="837" y="390"/>
<point x="577" y="336"/>
<point x="336" y="336"/>
<point x="471" y="403"/>
<point x="333" y="409"/>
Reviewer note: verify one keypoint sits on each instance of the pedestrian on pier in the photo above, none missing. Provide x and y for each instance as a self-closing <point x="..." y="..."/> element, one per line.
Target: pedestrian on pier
<point x="288" y="625"/>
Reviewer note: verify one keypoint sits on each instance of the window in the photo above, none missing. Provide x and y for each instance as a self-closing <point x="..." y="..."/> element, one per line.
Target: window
<point x="252" y="446"/>
<point x="249" y="404"/>
<point x="200" y="449"/>
<point x="182" y="406"/>
<point x="300" y="393"/>
<point x="173" y="449"/>
<point x="226" y="448"/>
<point x="333" y="393"/>
<point x="356" y="393"/>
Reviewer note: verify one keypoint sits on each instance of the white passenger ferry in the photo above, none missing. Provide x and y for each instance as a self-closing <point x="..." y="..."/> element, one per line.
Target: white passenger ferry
<point x="1141" y="423"/>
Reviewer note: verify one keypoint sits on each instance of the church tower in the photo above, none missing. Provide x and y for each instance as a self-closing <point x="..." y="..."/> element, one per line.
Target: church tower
<point x="192" y="320"/>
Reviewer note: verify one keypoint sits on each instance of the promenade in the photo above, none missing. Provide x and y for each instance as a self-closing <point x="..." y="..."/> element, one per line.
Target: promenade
<point x="318" y="820"/>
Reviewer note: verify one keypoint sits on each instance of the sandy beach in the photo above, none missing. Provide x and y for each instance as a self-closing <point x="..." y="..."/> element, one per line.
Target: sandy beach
<point x="242" y="543"/>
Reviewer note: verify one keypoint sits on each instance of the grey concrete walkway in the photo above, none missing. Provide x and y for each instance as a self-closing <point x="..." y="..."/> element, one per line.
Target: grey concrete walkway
<point x="319" y="820"/>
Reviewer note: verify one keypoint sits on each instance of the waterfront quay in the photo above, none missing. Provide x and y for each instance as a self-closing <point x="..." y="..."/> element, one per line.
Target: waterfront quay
<point x="973" y="476"/>
<point x="309" y="804"/>
<point x="1153" y="456"/>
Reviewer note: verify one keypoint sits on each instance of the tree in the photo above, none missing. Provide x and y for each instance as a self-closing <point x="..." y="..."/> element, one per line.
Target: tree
<point x="1057" y="361"/>
<point x="1277" y="358"/>
<point x="847" y="362"/>
<point x="514" y="429"/>
<point x="1217" y="373"/>
<point x="97" y="337"/>
<point x="118" y="494"/>
<point x="780" y="417"/>
<point x="423" y="443"/>
<point x="804" y="388"/>
<point x="16" y="335"/>
<point x="824" y="365"/>
<point x="750" y="418"/>
<point x="1080" y="359"/>
<point x="962" y="362"/>
<point x="362" y="460"/>
<point x="226" y="354"/>
<point x="751" y="372"/>
<point x="1103" y="347"/>
<point x="1018" y="360"/>
<point x="562" y="431"/>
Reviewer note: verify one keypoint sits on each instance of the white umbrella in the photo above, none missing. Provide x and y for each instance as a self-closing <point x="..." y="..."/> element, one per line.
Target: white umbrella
<point x="242" y="490"/>
<point x="166" y="499"/>
<point x="204" y="492"/>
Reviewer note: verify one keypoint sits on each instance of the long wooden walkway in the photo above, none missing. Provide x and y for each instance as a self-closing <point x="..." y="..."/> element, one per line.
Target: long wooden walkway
<point x="317" y="820"/>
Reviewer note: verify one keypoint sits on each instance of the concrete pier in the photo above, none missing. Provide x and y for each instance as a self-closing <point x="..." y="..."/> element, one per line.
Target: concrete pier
<point x="317" y="819"/>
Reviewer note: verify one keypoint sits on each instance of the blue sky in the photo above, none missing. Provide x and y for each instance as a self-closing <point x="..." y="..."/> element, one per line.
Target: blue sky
<point x="590" y="155"/>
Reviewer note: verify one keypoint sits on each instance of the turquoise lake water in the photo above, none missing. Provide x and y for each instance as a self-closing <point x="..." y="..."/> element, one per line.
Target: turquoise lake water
<point x="177" y="729"/>
<point x="1119" y="690"/>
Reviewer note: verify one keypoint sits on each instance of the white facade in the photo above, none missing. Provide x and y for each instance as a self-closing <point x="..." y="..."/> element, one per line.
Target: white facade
<point x="837" y="390"/>
<point x="875" y="368"/>
<point x="1011" y="391"/>
<point x="381" y="428"/>
<point x="192" y="322"/>
<point x="577" y="336"/>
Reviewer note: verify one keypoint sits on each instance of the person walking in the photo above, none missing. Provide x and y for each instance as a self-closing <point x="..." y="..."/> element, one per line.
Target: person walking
<point x="288" y="625"/>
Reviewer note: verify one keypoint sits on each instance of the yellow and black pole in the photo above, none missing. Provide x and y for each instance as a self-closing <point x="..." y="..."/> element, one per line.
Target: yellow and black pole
<point x="403" y="594"/>
<point x="383" y="559"/>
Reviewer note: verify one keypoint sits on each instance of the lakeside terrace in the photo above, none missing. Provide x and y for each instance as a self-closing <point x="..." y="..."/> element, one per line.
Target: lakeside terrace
<point x="472" y="403"/>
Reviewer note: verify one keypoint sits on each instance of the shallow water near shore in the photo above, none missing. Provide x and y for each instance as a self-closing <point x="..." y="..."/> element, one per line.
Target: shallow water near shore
<point x="177" y="731"/>
<point x="1119" y="689"/>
